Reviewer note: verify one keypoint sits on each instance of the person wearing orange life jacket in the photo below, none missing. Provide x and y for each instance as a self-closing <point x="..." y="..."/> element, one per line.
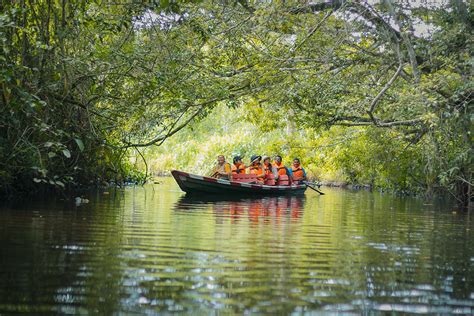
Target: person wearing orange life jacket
<point x="268" y="168"/>
<point x="281" y="169"/>
<point x="298" y="174"/>
<point x="257" y="168"/>
<point x="238" y="167"/>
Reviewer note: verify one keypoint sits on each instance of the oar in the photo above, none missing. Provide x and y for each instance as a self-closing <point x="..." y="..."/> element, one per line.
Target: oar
<point x="313" y="188"/>
<point x="313" y="183"/>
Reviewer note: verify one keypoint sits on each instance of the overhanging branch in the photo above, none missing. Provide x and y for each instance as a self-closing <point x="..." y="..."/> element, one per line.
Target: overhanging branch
<point x="312" y="31"/>
<point x="363" y="10"/>
<point x="170" y="132"/>
<point x="174" y="128"/>
<point x="381" y="124"/>
<point x="377" y="98"/>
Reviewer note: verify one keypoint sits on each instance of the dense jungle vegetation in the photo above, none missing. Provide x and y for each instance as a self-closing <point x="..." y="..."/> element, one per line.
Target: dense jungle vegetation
<point x="376" y="92"/>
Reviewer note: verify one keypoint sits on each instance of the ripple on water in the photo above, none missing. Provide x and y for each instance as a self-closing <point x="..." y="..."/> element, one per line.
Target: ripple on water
<point x="146" y="250"/>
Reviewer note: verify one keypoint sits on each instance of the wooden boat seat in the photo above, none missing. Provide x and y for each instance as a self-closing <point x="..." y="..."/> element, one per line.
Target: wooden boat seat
<point x="270" y="179"/>
<point x="247" y="178"/>
<point x="283" y="180"/>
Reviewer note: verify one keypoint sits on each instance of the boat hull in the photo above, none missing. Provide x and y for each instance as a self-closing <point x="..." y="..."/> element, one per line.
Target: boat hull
<point x="195" y="184"/>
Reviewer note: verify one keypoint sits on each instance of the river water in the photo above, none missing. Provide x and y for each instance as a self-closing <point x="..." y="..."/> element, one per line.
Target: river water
<point x="153" y="250"/>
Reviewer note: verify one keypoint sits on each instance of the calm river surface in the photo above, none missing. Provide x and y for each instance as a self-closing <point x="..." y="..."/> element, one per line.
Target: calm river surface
<point x="153" y="250"/>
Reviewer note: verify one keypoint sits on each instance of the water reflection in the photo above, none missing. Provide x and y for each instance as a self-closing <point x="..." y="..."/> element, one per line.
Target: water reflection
<point x="152" y="250"/>
<point x="267" y="210"/>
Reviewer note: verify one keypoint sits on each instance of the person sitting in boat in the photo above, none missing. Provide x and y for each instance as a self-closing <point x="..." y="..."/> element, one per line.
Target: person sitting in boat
<point x="281" y="169"/>
<point x="222" y="170"/>
<point x="257" y="168"/>
<point x="298" y="174"/>
<point x="238" y="167"/>
<point x="268" y="168"/>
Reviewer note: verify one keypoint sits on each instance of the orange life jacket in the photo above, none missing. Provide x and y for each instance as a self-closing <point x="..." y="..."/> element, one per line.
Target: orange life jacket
<point x="280" y="168"/>
<point x="267" y="169"/>
<point x="258" y="170"/>
<point x="298" y="172"/>
<point x="240" y="169"/>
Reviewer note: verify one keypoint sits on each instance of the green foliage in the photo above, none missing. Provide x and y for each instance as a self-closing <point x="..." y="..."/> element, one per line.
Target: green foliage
<point x="83" y="82"/>
<point x="372" y="156"/>
<point x="87" y="87"/>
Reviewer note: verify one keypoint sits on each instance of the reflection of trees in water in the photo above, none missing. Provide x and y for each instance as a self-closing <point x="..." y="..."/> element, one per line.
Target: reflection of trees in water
<point x="264" y="209"/>
<point x="46" y="263"/>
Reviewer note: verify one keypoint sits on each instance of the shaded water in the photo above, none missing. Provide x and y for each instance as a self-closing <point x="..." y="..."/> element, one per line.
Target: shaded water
<point x="152" y="250"/>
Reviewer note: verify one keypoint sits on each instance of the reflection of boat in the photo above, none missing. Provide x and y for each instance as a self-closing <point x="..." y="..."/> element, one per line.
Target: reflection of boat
<point x="254" y="208"/>
<point x="192" y="183"/>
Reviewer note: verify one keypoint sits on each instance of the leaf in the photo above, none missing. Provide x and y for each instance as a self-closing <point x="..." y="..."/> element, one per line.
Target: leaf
<point x="51" y="154"/>
<point x="79" y="143"/>
<point x="36" y="180"/>
<point x="67" y="153"/>
<point x="59" y="183"/>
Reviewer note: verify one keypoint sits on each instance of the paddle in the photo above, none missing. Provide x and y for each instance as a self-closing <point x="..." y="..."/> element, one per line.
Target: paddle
<point x="313" y="188"/>
<point x="316" y="184"/>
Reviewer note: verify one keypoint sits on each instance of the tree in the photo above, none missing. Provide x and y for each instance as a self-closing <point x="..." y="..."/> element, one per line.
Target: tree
<point x="86" y="85"/>
<point x="350" y="63"/>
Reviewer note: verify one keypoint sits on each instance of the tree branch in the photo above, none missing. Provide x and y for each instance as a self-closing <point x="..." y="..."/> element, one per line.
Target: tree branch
<point x="170" y="133"/>
<point x="317" y="7"/>
<point x="312" y="31"/>
<point x="381" y="124"/>
<point x="173" y="130"/>
<point x="363" y="10"/>
<point x="406" y="40"/>
<point x="376" y="100"/>
<point x="79" y="104"/>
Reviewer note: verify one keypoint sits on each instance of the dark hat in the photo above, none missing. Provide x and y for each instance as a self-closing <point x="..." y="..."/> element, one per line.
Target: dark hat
<point x="255" y="157"/>
<point x="237" y="158"/>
